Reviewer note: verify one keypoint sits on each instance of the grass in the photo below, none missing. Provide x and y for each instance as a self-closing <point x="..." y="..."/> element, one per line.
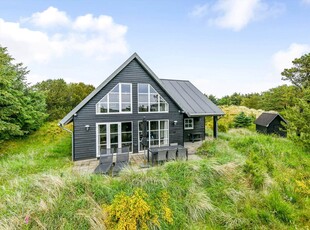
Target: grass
<point x="245" y="181"/>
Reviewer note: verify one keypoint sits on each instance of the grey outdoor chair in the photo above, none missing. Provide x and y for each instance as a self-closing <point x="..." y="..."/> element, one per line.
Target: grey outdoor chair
<point x="172" y="154"/>
<point x="122" y="160"/>
<point x="182" y="153"/>
<point x="105" y="163"/>
<point x="161" y="156"/>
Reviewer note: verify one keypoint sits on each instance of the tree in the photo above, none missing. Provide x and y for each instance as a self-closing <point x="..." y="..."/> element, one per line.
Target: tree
<point x="212" y="98"/>
<point x="61" y="97"/>
<point x="22" y="109"/>
<point x="299" y="74"/>
<point x="242" y="120"/>
<point x="298" y="115"/>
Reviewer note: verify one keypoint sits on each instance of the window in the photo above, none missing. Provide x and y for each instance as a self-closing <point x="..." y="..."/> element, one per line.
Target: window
<point x="118" y="100"/>
<point x="157" y="133"/>
<point x="114" y="136"/>
<point x="149" y="101"/>
<point x="188" y="123"/>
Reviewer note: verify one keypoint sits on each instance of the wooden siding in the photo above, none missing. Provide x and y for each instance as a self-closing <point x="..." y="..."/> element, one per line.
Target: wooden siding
<point x="85" y="141"/>
<point x="199" y="128"/>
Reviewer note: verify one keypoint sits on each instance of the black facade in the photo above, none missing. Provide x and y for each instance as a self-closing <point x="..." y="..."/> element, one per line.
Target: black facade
<point x="85" y="141"/>
<point x="198" y="131"/>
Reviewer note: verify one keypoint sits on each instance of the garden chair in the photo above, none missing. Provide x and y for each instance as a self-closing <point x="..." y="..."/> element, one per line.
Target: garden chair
<point x="161" y="156"/>
<point x="122" y="160"/>
<point x="172" y="154"/>
<point x="182" y="153"/>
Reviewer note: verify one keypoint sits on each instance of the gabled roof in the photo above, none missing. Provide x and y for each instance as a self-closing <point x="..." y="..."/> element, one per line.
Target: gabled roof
<point x="266" y="118"/>
<point x="68" y="118"/>
<point x="187" y="97"/>
<point x="192" y="101"/>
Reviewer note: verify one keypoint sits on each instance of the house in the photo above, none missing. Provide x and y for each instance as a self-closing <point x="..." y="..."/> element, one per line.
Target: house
<point x="111" y="116"/>
<point x="269" y="123"/>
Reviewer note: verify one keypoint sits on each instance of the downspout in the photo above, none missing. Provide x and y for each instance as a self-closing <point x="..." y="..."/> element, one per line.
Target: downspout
<point x="68" y="130"/>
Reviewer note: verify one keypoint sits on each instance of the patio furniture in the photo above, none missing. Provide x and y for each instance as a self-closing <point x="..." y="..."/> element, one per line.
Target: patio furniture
<point x="182" y="153"/>
<point x="122" y="160"/>
<point x="173" y="144"/>
<point x="161" y="156"/>
<point x="105" y="163"/>
<point x="172" y="154"/>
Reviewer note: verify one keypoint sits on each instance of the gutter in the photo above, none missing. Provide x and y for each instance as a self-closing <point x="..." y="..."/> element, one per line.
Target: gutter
<point x="68" y="130"/>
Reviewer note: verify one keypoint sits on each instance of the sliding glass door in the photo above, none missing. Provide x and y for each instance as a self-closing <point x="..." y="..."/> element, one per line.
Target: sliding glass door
<point x="113" y="136"/>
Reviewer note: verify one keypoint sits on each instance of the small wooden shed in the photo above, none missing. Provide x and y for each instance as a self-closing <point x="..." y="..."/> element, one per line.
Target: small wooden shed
<point x="269" y="123"/>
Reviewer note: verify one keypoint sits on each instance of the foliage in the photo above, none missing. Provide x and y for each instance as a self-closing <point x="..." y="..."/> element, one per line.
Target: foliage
<point x="61" y="97"/>
<point x="299" y="74"/>
<point x="299" y="117"/>
<point x="227" y="121"/>
<point x="22" y="110"/>
<point x="242" y="120"/>
<point x="298" y="114"/>
<point x="212" y="98"/>
<point x="130" y="212"/>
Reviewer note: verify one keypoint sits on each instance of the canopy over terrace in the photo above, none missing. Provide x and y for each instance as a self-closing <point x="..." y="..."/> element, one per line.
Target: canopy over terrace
<point x="193" y="102"/>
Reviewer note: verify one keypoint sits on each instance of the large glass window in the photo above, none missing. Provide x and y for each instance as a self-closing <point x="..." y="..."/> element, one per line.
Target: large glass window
<point x="157" y="133"/>
<point x="118" y="100"/>
<point x="149" y="100"/>
<point x="113" y="136"/>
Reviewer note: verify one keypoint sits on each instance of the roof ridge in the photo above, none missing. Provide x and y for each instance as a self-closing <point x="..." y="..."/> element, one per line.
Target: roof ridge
<point x="165" y="79"/>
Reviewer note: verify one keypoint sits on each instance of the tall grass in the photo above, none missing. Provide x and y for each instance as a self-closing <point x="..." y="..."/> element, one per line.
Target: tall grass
<point x="244" y="181"/>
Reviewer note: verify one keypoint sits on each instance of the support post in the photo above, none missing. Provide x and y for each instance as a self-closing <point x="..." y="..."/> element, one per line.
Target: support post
<point x="215" y="127"/>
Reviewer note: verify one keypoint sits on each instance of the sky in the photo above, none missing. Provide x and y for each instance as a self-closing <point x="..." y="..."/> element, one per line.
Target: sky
<point x="221" y="46"/>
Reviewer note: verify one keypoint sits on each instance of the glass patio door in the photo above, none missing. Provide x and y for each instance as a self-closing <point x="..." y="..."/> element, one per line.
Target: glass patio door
<point x="113" y="136"/>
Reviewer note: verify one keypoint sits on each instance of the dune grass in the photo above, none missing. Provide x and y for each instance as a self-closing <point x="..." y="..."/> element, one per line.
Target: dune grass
<point x="245" y="181"/>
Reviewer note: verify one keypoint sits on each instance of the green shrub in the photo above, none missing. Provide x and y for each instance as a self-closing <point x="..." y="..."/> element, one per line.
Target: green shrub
<point x="242" y="120"/>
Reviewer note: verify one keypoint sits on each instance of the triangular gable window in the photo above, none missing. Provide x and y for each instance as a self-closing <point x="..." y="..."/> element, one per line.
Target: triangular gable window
<point x="118" y="100"/>
<point x="150" y="101"/>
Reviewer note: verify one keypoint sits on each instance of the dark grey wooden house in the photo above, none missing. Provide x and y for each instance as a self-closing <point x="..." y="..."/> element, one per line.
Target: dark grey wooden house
<point x="111" y="116"/>
<point x="270" y="123"/>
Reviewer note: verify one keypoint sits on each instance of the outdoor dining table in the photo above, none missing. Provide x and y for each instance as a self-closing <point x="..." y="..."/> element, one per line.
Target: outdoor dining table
<point x="154" y="150"/>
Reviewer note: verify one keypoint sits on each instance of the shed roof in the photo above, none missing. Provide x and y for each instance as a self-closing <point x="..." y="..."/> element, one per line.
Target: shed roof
<point x="266" y="118"/>
<point x="192" y="101"/>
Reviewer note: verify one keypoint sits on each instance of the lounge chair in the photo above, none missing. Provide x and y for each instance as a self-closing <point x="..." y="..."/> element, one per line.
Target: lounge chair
<point x="122" y="160"/>
<point x="105" y="163"/>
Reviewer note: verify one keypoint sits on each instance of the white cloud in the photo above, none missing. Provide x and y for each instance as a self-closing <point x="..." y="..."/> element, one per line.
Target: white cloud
<point x="49" y="17"/>
<point x="93" y="37"/>
<point x="236" y="14"/>
<point x="283" y="58"/>
<point x="28" y="45"/>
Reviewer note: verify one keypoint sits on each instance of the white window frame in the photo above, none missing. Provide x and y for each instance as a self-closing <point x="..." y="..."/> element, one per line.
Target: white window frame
<point x="119" y="131"/>
<point x="149" y="137"/>
<point x="149" y="101"/>
<point x="186" y="122"/>
<point x="119" y="101"/>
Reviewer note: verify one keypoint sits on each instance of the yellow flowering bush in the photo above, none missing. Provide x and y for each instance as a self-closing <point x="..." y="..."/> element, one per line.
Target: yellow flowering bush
<point x="130" y="212"/>
<point x="134" y="212"/>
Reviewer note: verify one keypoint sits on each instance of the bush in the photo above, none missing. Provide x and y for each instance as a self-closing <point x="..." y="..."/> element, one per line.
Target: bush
<point x="242" y="120"/>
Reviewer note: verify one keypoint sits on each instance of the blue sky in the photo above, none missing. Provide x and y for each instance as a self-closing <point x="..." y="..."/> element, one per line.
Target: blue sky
<point x="222" y="46"/>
